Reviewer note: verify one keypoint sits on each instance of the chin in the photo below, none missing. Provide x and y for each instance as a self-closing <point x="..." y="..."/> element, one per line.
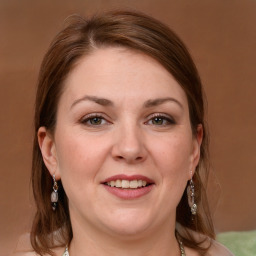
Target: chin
<point x="128" y="224"/>
<point x="128" y="232"/>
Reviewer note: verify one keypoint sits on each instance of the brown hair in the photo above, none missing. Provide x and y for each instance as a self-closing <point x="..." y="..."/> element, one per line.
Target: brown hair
<point x="131" y="30"/>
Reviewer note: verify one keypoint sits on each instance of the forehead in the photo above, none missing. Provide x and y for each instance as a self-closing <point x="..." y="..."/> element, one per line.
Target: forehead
<point x="117" y="72"/>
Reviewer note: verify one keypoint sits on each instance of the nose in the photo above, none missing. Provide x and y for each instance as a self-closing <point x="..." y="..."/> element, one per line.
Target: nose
<point x="129" y="145"/>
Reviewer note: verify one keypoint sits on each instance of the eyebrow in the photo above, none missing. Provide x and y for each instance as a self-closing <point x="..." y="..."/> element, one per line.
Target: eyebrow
<point x="105" y="102"/>
<point x="100" y="101"/>
<point x="159" y="101"/>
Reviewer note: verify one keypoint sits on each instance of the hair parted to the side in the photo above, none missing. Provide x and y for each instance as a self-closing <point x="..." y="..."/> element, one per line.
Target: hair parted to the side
<point x="80" y="37"/>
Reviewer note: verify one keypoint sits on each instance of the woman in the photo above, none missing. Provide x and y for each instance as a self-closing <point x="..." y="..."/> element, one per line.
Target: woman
<point x="120" y="143"/>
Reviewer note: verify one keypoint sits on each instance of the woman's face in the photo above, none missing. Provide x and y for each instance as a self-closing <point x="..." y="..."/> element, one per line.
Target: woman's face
<point x="123" y="145"/>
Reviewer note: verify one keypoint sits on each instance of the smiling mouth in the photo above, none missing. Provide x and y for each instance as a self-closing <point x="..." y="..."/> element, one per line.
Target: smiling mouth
<point x="128" y="187"/>
<point x="126" y="184"/>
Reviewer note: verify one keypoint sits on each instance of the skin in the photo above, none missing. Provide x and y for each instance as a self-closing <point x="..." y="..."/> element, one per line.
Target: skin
<point x="125" y="138"/>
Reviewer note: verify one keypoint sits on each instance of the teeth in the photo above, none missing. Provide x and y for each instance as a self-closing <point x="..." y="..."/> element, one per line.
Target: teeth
<point x="118" y="183"/>
<point x="133" y="184"/>
<point x="127" y="183"/>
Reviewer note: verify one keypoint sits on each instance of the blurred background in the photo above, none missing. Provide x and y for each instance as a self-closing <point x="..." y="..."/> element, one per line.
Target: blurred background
<point x="221" y="36"/>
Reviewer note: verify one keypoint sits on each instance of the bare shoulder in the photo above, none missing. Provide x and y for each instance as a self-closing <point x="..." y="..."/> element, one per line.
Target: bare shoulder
<point x="215" y="248"/>
<point x="58" y="252"/>
<point x="218" y="249"/>
<point x="24" y="253"/>
<point x="24" y="248"/>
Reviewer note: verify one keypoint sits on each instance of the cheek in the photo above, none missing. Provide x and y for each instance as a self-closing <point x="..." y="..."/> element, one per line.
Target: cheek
<point x="173" y="154"/>
<point x="171" y="158"/>
<point x="79" y="159"/>
<point x="79" y="162"/>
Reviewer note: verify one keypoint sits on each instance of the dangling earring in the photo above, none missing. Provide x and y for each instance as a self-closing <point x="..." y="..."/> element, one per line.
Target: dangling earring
<point x="191" y="197"/>
<point x="54" y="194"/>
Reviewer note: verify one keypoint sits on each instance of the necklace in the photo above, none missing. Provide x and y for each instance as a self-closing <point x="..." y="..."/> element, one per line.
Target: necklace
<point x="182" y="250"/>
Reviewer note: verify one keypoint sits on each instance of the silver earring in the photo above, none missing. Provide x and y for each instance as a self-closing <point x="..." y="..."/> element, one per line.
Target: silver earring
<point x="191" y="197"/>
<point x="54" y="194"/>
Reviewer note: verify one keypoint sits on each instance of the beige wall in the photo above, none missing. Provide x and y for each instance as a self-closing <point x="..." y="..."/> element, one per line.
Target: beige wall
<point x="222" y="38"/>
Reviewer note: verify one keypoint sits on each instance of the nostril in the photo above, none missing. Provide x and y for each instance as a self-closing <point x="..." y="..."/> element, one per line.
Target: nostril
<point x="129" y="154"/>
<point x="136" y="159"/>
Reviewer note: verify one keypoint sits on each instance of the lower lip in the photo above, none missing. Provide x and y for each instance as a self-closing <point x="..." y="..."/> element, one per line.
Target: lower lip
<point x="129" y="193"/>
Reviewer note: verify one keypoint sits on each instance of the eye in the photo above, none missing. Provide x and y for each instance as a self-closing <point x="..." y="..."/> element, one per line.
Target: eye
<point x="93" y="120"/>
<point x="160" y="120"/>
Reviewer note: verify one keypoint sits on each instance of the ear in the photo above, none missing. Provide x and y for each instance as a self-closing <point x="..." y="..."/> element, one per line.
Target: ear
<point x="195" y="154"/>
<point x="48" y="150"/>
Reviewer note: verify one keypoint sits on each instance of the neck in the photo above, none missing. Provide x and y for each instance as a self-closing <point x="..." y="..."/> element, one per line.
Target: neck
<point x="88" y="241"/>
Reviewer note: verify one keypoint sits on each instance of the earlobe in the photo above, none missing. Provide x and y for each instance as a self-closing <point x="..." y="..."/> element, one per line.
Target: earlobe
<point x="48" y="150"/>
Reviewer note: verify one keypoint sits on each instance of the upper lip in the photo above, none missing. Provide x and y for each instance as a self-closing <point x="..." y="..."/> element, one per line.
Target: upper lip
<point x="128" y="177"/>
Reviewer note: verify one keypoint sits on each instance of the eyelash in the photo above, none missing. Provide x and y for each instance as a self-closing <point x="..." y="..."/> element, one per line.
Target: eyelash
<point x="166" y="119"/>
<point x="90" y="117"/>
